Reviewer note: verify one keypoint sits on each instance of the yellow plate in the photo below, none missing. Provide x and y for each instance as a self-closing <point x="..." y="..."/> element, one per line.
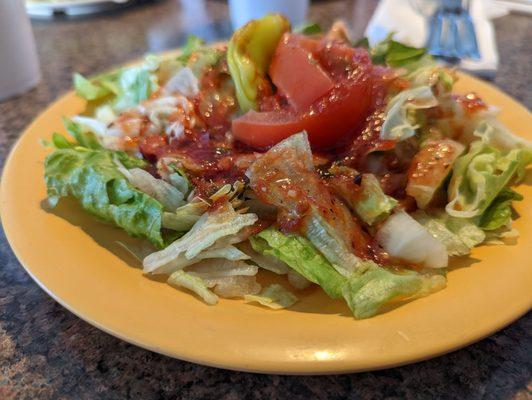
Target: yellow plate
<point x="75" y="259"/>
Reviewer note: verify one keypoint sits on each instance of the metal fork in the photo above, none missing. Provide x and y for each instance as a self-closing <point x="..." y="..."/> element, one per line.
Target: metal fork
<point x="452" y="33"/>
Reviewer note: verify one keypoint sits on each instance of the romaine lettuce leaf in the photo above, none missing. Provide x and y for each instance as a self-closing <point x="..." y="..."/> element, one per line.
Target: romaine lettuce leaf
<point x="459" y="235"/>
<point x="366" y="290"/>
<point x="273" y="296"/>
<point x="499" y="212"/>
<point x="371" y="287"/>
<point x="301" y="255"/>
<point x="480" y="175"/>
<point x="399" y="120"/>
<point x="93" y="178"/>
<point x="373" y="205"/>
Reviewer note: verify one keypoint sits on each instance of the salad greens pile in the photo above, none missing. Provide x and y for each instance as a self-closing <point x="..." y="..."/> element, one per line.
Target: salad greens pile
<point x="372" y="231"/>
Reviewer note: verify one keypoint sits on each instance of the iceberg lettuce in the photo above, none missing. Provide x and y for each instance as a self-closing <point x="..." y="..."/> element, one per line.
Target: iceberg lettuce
<point x="221" y="223"/>
<point x="459" y="235"/>
<point x="294" y="187"/>
<point x="274" y="296"/>
<point x="479" y="176"/>
<point x="169" y="196"/>
<point x="399" y="120"/>
<point x="122" y="89"/>
<point x="182" y="279"/>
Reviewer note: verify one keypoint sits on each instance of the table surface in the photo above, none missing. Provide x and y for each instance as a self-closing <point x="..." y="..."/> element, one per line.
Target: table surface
<point x="48" y="353"/>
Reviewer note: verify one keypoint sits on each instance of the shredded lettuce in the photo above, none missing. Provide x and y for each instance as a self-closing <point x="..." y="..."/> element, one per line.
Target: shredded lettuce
<point x="222" y="222"/>
<point x="459" y="235"/>
<point x="399" y="121"/>
<point x="373" y="205"/>
<point x="216" y="268"/>
<point x="274" y="296"/>
<point x="182" y="279"/>
<point x="93" y="178"/>
<point x="480" y="175"/>
<point x="169" y="196"/>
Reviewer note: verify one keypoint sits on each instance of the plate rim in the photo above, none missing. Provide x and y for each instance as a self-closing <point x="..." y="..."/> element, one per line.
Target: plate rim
<point x="286" y="368"/>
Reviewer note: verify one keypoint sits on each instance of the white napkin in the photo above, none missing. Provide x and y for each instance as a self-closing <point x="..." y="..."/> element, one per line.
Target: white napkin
<point x="411" y="28"/>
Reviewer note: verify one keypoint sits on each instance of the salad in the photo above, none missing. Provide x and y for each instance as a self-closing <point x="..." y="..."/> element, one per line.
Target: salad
<point x="333" y="163"/>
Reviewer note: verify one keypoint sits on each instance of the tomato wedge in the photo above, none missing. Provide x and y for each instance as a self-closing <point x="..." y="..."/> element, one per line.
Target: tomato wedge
<point x="308" y="84"/>
<point x="329" y="119"/>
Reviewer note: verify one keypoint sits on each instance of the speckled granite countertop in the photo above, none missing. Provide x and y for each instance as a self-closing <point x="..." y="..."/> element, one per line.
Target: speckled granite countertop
<point x="48" y="353"/>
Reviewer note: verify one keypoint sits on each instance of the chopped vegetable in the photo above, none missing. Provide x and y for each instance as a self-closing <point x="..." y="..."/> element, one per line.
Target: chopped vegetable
<point x="480" y="175"/>
<point x="92" y="177"/>
<point x="459" y="235"/>
<point x="430" y="169"/>
<point x="499" y="212"/>
<point x="405" y="239"/>
<point x="274" y="296"/>
<point x="373" y="205"/>
<point x="400" y="121"/>
<point x="249" y="54"/>
<point x="193" y="283"/>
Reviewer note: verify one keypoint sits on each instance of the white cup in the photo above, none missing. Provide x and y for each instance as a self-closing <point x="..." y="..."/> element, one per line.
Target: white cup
<point x="19" y="64"/>
<point x="241" y="11"/>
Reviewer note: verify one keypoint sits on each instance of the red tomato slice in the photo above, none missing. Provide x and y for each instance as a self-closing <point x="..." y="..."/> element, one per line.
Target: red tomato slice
<point x="329" y="119"/>
<point x="307" y="84"/>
